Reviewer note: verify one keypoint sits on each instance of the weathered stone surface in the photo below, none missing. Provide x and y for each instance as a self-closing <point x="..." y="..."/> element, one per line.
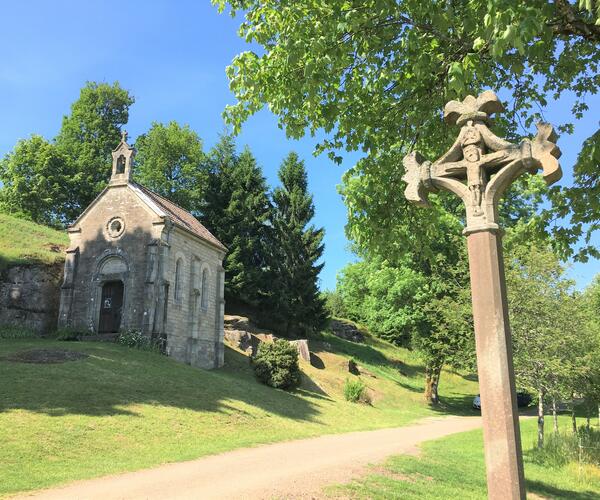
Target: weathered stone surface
<point x="138" y="261"/>
<point x="479" y="167"/>
<point x="302" y="348"/>
<point x="346" y="331"/>
<point x="239" y="339"/>
<point x="29" y="297"/>
<point x="350" y="366"/>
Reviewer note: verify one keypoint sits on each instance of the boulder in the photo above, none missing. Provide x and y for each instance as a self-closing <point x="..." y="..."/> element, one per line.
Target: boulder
<point x="302" y="348"/>
<point x="350" y="366"/>
<point x="346" y="330"/>
<point x="239" y="339"/>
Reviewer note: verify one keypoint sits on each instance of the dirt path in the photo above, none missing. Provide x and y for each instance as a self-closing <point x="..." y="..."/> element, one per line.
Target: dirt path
<point x="294" y="469"/>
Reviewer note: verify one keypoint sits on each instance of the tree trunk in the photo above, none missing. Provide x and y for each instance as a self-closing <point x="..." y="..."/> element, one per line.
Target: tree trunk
<point x="555" y="415"/>
<point x="540" y="442"/>
<point x="432" y="379"/>
<point x="573" y="417"/>
<point x="588" y="419"/>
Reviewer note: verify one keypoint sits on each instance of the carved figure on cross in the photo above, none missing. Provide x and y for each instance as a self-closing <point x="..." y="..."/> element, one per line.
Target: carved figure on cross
<point x="480" y="166"/>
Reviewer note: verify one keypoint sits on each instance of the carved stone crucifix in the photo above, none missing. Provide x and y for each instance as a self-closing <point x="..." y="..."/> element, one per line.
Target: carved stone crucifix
<point x="479" y="167"/>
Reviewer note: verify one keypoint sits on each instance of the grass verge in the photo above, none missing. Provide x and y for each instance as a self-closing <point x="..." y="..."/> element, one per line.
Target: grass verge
<point x="453" y="467"/>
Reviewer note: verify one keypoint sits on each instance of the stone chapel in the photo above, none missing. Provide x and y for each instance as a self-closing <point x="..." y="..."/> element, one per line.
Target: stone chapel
<point x="138" y="261"/>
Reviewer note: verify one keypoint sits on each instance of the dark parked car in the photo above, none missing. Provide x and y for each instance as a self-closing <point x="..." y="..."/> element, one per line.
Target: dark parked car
<point x="523" y="400"/>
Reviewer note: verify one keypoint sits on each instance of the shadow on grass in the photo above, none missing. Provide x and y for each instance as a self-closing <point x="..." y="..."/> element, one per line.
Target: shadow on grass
<point x="113" y="378"/>
<point x="547" y="491"/>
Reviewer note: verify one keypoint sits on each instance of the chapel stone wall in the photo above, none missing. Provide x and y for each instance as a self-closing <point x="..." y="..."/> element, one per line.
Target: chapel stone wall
<point x="102" y="256"/>
<point x="194" y="326"/>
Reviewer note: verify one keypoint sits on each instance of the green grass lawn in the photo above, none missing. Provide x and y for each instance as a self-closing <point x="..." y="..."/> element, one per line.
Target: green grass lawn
<point x="453" y="467"/>
<point x="122" y="409"/>
<point x="25" y="242"/>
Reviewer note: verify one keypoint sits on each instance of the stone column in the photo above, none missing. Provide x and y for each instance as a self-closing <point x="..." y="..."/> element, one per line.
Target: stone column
<point x="65" y="315"/>
<point x="478" y="168"/>
<point x="503" y="454"/>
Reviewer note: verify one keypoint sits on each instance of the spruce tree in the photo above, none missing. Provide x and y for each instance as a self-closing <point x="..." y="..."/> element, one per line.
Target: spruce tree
<point x="296" y="248"/>
<point x="222" y="159"/>
<point x="247" y="215"/>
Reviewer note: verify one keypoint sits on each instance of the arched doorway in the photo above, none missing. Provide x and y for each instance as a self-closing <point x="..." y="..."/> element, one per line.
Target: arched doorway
<point x="111" y="306"/>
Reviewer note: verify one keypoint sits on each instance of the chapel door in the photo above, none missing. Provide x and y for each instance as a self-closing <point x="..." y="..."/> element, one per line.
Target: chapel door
<point x="111" y="307"/>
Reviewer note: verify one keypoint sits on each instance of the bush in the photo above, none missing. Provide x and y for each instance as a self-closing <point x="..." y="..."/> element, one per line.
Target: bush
<point x="355" y="391"/>
<point x="562" y="448"/>
<point x="136" y="340"/>
<point x="276" y="364"/>
<point x="16" y="332"/>
<point x="67" y="334"/>
<point x="334" y="304"/>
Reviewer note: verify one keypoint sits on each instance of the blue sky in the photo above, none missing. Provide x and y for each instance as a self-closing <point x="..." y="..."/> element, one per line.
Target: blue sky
<point x="171" y="55"/>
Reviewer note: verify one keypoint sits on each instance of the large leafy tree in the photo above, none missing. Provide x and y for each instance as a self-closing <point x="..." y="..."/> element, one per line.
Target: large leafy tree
<point x="53" y="182"/>
<point x="374" y="76"/>
<point x="552" y="341"/>
<point x="170" y="161"/>
<point x="296" y="249"/>
<point x="35" y="179"/>
<point x="87" y="137"/>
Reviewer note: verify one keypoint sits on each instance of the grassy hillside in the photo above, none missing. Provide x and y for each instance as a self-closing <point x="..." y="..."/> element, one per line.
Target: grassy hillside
<point x="122" y="409"/>
<point x="22" y="241"/>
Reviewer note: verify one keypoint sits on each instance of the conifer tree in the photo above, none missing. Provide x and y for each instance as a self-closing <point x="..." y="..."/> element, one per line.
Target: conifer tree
<point x="222" y="159"/>
<point x="247" y="215"/>
<point x="295" y="250"/>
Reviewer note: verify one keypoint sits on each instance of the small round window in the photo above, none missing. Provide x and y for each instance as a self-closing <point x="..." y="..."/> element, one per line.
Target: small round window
<point x="115" y="227"/>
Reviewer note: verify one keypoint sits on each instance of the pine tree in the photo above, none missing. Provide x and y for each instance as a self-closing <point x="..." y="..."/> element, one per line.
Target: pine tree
<point x="295" y="250"/>
<point x="222" y="159"/>
<point x="247" y="215"/>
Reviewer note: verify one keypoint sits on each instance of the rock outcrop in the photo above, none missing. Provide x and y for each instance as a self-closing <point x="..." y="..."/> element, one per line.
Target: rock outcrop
<point x="29" y="297"/>
<point x="242" y="334"/>
<point x="346" y="330"/>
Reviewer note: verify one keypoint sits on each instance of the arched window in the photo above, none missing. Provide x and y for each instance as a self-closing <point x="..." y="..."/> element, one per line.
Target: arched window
<point x="204" y="301"/>
<point x="178" y="279"/>
<point x="121" y="164"/>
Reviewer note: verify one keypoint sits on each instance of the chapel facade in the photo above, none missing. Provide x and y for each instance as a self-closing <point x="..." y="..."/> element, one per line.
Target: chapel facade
<point x="137" y="261"/>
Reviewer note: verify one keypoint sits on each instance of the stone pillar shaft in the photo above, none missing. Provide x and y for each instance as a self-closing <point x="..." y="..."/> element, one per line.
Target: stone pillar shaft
<point x="502" y="441"/>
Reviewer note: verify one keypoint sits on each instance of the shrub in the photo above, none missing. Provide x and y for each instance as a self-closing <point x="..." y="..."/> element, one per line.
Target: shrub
<point x="276" y="364"/>
<point x="136" y="340"/>
<point x="355" y="391"/>
<point x="562" y="448"/>
<point x="67" y="334"/>
<point x="16" y="332"/>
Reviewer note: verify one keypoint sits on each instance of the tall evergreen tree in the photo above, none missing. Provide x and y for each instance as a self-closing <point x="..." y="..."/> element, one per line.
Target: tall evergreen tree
<point x="296" y="248"/>
<point x="170" y="161"/>
<point x="87" y="137"/>
<point x="222" y="159"/>
<point x="247" y="214"/>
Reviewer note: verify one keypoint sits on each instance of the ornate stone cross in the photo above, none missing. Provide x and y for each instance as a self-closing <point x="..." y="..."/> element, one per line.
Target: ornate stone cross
<point x="479" y="167"/>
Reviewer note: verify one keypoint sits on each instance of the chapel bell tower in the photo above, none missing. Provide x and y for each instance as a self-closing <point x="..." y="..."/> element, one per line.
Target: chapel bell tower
<point x="122" y="161"/>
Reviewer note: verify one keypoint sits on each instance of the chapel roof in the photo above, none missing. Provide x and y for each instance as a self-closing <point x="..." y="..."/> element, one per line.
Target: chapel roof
<point x="179" y="216"/>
